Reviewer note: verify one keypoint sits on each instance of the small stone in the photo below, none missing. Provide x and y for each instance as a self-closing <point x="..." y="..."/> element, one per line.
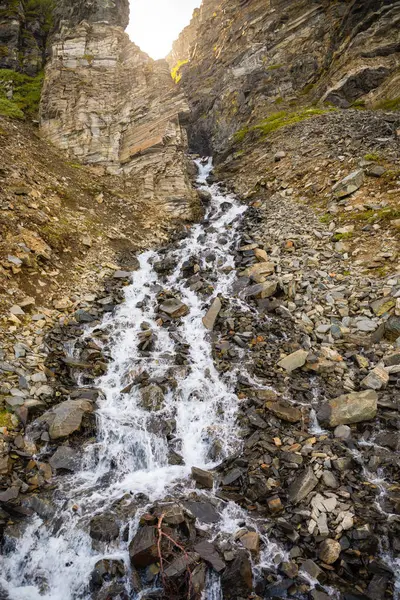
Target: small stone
<point x="330" y="480"/>
<point x="302" y="486"/>
<point x="17" y="311"/>
<point x="342" y="432"/>
<point x="251" y="541"/>
<point x="174" y="308"/>
<point x="376" y="171"/>
<point x="278" y="156"/>
<point x="286" y="412"/>
<point x="275" y="504"/>
<point x="311" y="570"/>
<point x="377" y="379"/>
<point x="122" y="275"/>
<point x="329" y="551"/>
<point x="293" y="361"/>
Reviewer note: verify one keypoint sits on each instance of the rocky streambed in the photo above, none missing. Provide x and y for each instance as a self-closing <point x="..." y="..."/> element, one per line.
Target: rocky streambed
<point x="229" y="431"/>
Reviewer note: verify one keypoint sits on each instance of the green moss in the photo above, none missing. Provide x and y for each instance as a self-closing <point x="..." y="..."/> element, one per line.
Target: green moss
<point x="372" y="156"/>
<point x="26" y="93"/>
<point x="6" y="420"/>
<point x="274" y="67"/>
<point x="359" y="104"/>
<point x="383" y="214"/>
<point x="278" y="120"/>
<point x="393" y="104"/>
<point x="327" y="218"/>
<point x="342" y="236"/>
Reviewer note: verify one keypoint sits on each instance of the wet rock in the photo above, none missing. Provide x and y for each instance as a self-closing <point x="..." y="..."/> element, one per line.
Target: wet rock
<point x="143" y="548"/>
<point x="284" y="411"/>
<point x="64" y="459"/>
<point x="302" y="486"/>
<point x="209" y="554"/>
<point x="349" y="184"/>
<point x="310" y="569"/>
<point x="122" y="275"/>
<point x="329" y="551"/>
<point x="66" y="418"/>
<point x="180" y="565"/>
<point x="203" y="478"/>
<point x="104" y="528"/>
<point x="106" y="570"/>
<point x="293" y="361"/>
<point x="41" y="507"/>
<point x="152" y="398"/>
<point x="174" y="308"/>
<point x="377" y="587"/>
<point x="377" y="379"/>
<point x="237" y="579"/>
<point x="203" y="511"/>
<point x="251" y="541"/>
<point x="212" y="314"/>
<point x="355" y="407"/>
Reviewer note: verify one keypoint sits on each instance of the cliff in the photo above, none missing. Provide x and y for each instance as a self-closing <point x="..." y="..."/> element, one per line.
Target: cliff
<point x="252" y="58"/>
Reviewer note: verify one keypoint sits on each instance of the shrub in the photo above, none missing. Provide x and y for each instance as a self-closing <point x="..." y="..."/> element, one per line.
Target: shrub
<point x="26" y="93"/>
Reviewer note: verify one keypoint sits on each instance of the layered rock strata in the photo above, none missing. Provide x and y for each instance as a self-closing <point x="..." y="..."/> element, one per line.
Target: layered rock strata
<point x="252" y="58"/>
<point x="108" y="104"/>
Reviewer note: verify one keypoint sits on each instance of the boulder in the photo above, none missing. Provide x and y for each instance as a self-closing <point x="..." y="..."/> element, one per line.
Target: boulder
<point x="64" y="459"/>
<point x="302" y="486"/>
<point x="284" y="411"/>
<point x="237" y="579"/>
<point x="377" y="379"/>
<point x="203" y="478"/>
<point x="261" y="268"/>
<point x="266" y="289"/>
<point x="143" y="548"/>
<point x="209" y="554"/>
<point x="349" y="184"/>
<point x="104" y="528"/>
<point x="212" y="314"/>
<point x="174" y="308"/>
<point x="66" y="418"/>
<point x="152" y="398"/>
<point x="293" y="361"/>
<point x="355" y="407"/>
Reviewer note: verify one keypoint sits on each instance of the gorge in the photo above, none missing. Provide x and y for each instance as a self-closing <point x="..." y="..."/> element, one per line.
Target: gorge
<point x="200" y="283"/>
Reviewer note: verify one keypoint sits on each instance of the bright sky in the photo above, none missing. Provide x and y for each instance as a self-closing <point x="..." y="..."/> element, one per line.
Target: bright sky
<point x="155" y="24"/>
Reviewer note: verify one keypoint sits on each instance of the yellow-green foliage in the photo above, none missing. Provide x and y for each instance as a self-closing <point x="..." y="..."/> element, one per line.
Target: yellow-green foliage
<point x="175" y="73"/>
<point x="393" y="104"/>
<point x="278" y="120"/>
<point x="26" y="94"/>
<point x="6" y="420"/>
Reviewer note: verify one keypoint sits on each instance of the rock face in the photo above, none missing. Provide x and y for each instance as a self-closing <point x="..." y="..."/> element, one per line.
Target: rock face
<point x="108" y="104"/>
<point x="249" y="58"/>
<point x="23" y="35"/>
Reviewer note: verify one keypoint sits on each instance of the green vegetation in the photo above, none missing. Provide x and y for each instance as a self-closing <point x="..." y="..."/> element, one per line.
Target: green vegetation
<point x="6" y="420"/>
<point x="25" y="94"/>
<point x="278" y="120"/>
<point x="393" y="104"/>
<point x="372" y="156"/>
<point x="327" y="218"/>
<point x="342" y="236"/>
<point x="274" y="67"/>
<point x="383" y="214"/>
<point x="42" y="9"/>
<point x="175" y="72"/>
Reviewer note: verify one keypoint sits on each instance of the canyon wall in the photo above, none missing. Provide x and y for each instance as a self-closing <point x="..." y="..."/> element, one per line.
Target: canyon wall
<point x="106" y="103"/>
<point x="250" y="58"/>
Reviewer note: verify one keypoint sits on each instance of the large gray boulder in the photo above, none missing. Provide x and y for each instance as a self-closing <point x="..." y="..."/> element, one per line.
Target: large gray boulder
<point x="66" y="418"/>
<point x="349" y="408"/>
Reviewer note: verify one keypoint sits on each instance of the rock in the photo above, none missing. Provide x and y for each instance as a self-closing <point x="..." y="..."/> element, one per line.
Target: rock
<point x="17" y="311"/>
<point x="104" y="528"/>
<point x="203" y="511"/>
<point x="355" y="407"/>
<point x="212" y="314"/>
<point x="152" y="398"/>
<point x="383" y="305"/>
<point x="392" y="359"/>
<point x="316" y="595"/>
<point x="392" y="328"/>
<point x="330" y="480"/>
<point x="174" y="308"/>
<point x="293" y="361"/>
<point x="203" y="478"/>
<point x="11" y="493"/>
<point x="237" y="579"/>
<point x="283" y="411"/>
<point x="310" y="569"/>
<point x="143" y="548"/>
<point x="122" y="275"/>
<point x="64" y="459"/>
<point x="65" y="418"/>
<point x="262" y="268"/>
<point x="376" y="171"/>
<point x="342" y="432"/>
<point x="275" y="504"/>
<point x="302" y="486"/>
<point x="329" y="551"/>
<point x="349" y="184"/>
<point x="208" y="553"/>
<point x="377" y="379"/>
<point x="278" y="156"/>
<point x="266" y="289"/>
<point x="251" y="541"/>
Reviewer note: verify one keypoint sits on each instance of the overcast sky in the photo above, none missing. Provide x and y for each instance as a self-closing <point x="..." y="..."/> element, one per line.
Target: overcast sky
<point x="155" y="24"/>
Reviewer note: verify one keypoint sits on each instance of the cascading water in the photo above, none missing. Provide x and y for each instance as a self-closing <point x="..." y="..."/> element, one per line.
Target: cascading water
<point x="53" y="560"/>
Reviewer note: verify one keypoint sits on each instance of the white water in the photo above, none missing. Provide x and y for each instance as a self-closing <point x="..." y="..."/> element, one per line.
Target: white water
<point x="130" y="455"/>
